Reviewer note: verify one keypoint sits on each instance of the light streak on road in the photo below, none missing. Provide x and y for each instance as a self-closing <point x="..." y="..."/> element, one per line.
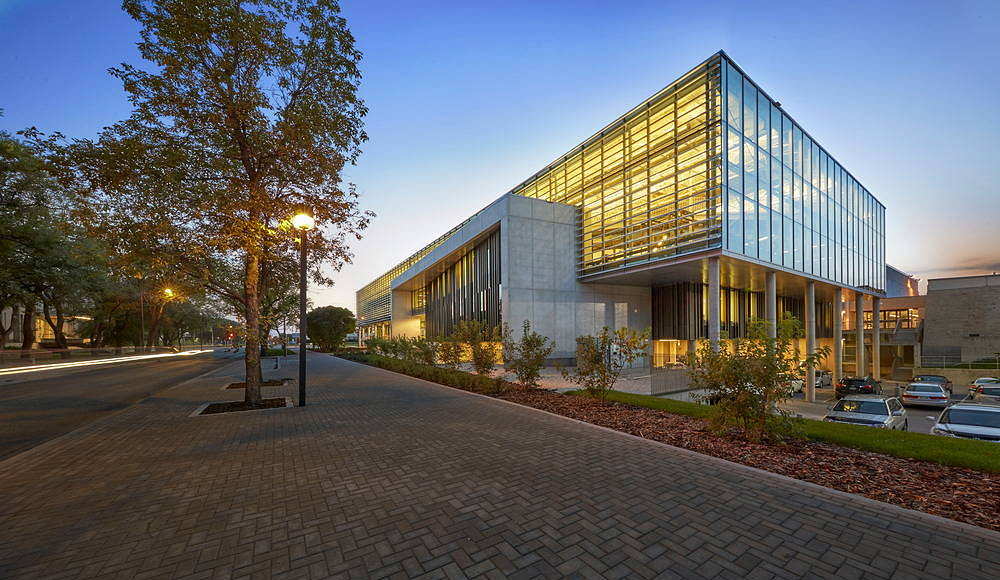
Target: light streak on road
<point x="103" y="361"/>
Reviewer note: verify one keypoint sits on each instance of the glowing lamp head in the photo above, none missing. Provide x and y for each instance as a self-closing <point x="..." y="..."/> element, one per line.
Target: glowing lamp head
<point x="303" y="221"/>
<point x="169" y="293"/>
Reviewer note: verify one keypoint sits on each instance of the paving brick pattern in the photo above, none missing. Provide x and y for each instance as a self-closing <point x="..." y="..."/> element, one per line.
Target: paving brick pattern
<point x="387" y="476"/>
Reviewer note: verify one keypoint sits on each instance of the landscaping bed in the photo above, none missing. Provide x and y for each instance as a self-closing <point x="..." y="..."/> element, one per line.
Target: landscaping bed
<point x="270" y="383"/>
<point x="238" y="406"/>
<point x="958" y="493"/>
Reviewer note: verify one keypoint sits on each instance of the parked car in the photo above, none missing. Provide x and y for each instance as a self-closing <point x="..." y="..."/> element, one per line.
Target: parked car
<point x="982" y="381"/>
<point x="858" y="386"/>
<point x="935" y="379"/>
<point x="970" y="421"/>
<point x="930" y="394"/>
<point x="824" y="379"/>
<point x="987" y="393"/>
<point x="870" y="410"/>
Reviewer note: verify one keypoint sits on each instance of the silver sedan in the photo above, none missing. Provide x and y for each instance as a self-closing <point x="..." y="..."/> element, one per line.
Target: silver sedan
<point x="878" y="411"/>
<point x="929" y="394"/>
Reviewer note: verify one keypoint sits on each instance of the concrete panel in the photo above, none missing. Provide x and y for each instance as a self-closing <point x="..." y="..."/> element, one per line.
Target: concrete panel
<point x="519" y="206"/>
<point x="563" y="213"/>
<point x="542" y="211"/>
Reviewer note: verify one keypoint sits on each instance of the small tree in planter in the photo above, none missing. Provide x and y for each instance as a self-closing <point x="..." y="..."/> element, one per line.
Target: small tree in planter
<point x="483" y="343"/>
<point x="746" y="382"/>
<point x="450" y="352"/>
<point x="600" y="359"/>
<point x="525" y="356"/>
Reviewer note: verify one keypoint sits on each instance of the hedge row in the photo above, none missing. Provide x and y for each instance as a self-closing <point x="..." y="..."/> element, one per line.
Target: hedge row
<point x="452" y="378"/>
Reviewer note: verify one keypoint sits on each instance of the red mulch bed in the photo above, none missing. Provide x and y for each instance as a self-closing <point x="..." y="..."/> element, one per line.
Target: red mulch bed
<point x="237" y="406"/>
<point x="956" y="493"/>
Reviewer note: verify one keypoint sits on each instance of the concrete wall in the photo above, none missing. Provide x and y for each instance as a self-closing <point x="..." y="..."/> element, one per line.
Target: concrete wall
<point x="403" y="321"/>
<point x="962" y="317"/>
<point x="538" y="273"/>
<point x="961" y="378"/>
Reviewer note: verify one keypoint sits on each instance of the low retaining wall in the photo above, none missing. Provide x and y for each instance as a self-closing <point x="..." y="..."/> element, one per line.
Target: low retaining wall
<point x="960" y="377"/>
<point x="665" y="381"/>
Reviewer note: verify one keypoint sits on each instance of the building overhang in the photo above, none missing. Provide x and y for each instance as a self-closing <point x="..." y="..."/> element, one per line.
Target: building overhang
<point x="432" y="265"/>
<point x="736" y="271"/>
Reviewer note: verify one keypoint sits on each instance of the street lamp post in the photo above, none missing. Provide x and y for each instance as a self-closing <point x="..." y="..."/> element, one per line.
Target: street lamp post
<point x="302" y="222"/>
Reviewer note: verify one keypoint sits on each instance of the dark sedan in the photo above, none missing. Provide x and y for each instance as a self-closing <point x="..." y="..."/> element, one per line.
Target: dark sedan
<point x="858" y="386"/>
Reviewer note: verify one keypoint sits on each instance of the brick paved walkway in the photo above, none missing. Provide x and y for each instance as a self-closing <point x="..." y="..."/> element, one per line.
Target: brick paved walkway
<point x="384" y="475"/>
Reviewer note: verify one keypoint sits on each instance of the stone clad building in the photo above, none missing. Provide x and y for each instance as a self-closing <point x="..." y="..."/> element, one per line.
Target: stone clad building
<point x="962" y="320"/>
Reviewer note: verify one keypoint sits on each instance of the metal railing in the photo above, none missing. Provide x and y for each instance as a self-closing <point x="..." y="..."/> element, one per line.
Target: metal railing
<point x="955" y="362"/>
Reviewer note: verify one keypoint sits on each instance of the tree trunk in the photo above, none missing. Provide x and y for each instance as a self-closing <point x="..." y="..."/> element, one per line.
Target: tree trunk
<point x="252" y="353"/>
<point x="27" y="329"/>
<point x="154" y="327"/>
<point x="57" y="326"/>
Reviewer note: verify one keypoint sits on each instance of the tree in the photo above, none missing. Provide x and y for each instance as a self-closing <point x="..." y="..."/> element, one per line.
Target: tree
<point x="747" y="381"/>
<point x="246" y="114"/>
<point x="327" y="326"/>
<point x="45" y="258"/>
<point x="600" y="359"/>
<point x="526" y="355"/>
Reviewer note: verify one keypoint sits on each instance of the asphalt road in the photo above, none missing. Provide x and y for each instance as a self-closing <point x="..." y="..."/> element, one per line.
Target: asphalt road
<point x="35" y="407"/>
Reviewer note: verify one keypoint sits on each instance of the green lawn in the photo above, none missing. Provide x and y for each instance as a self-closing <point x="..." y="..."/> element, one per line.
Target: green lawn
<point x="981" y="455"/>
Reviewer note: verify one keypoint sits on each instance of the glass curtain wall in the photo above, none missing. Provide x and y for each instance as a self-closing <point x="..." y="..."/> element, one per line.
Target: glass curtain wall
<point x="788" y="202"/>
<point x="649" y="185"/>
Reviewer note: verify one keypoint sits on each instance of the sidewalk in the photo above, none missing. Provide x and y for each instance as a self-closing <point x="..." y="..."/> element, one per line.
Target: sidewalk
<point x="383" y="475"/>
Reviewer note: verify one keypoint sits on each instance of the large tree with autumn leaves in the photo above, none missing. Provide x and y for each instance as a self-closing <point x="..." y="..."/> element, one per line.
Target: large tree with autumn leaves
<point x="244" y="113"/>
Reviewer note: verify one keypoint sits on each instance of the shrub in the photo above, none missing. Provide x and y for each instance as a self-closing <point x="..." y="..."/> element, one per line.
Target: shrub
<point x="450" y="352"/>
<point x="377" y="345"/>
<point x="746" y="382"/>
<point x="445" y="376"/>
<point x="600" y="359"/>
<point x="525" y="356"/>
<point x="483" y="343"/>
<point x="423" y="350"/>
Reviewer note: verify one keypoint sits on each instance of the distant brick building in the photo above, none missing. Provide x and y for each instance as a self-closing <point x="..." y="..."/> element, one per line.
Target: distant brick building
<point x="962" y="318"/>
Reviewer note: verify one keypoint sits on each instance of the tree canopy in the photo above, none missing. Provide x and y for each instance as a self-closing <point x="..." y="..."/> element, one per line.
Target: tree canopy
<point x="244" y="113"/>
<point x="327" y="326"/>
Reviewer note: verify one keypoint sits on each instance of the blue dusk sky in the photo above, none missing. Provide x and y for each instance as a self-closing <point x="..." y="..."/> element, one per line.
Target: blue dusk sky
<point x="467" y="99"/>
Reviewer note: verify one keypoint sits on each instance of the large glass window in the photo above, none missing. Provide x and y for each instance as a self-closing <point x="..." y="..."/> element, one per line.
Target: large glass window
<point x="800" y="209"/>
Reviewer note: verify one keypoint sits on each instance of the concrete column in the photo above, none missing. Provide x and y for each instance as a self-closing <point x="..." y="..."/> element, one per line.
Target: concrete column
<point x="771" y="305"/>
<point x="876" y="339"/>
<point x="859" y="323"/>
<point x="838" y="335"/>
<point x="810" y="386"/>
<point x="714" y="291"/>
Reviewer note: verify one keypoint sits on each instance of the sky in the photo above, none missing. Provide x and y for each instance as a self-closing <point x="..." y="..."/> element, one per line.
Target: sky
<point x="468" y="99"/>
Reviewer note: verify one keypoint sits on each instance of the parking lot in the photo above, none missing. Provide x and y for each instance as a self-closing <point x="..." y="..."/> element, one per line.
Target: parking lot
<point x="921" y="418"/>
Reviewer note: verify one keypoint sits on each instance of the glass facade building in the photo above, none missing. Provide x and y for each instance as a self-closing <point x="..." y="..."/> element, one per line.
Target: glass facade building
<point x="788" y="202"/>
<point x="708" y="164"/>
<point x="649" y="185"/>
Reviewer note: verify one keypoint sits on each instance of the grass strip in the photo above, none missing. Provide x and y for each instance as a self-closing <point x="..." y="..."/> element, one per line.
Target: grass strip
<point x="980" y="455"/>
